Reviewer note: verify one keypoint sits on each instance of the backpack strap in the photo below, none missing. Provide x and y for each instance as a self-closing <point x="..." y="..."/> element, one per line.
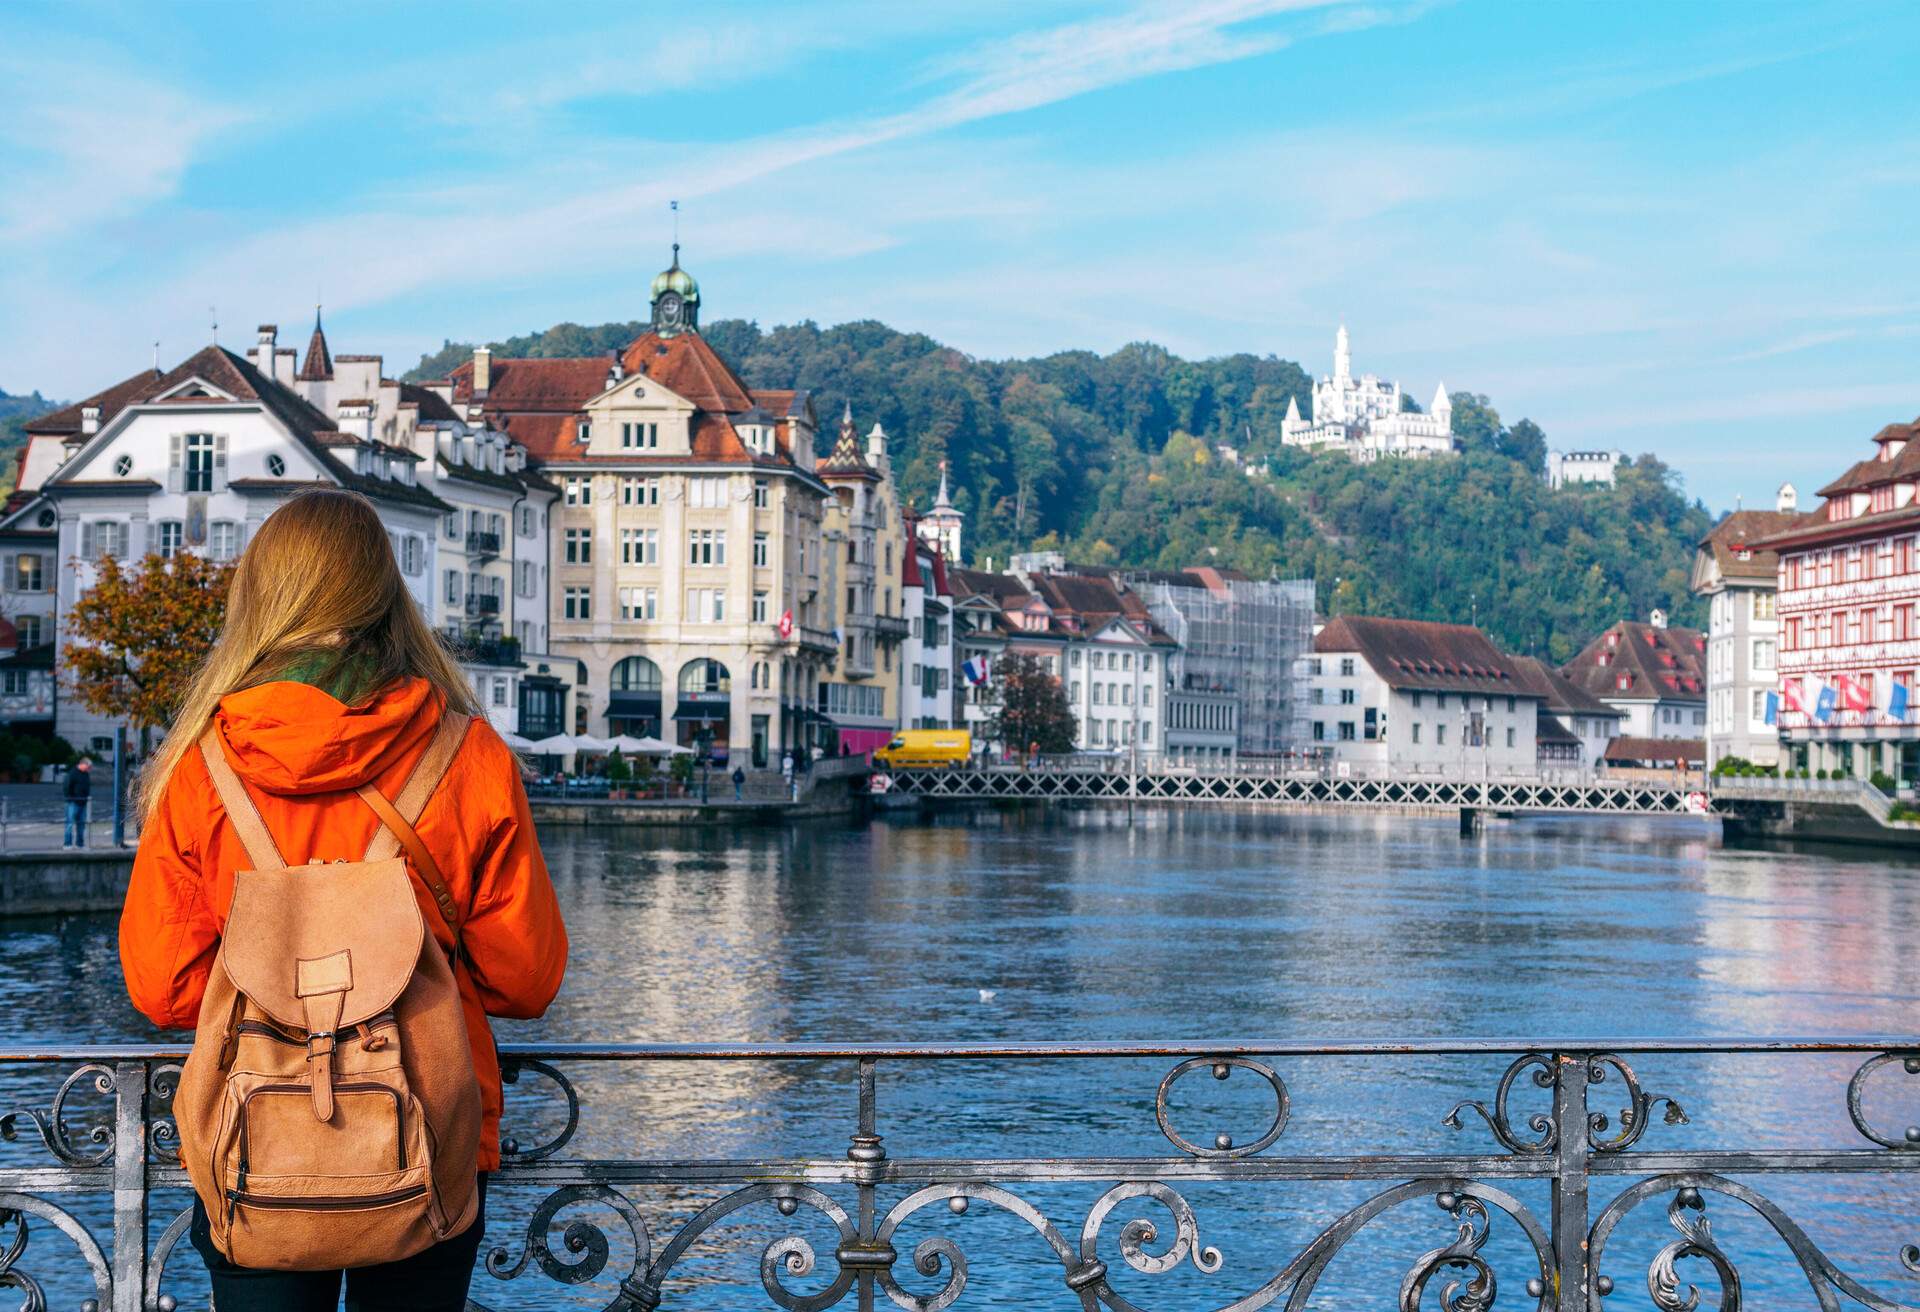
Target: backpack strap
<point x="254" y="836"/>
<point x="398" y="815"/>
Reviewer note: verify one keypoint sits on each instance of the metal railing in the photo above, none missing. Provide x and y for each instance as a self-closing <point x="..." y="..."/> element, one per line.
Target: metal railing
<point x="1572" y="1118"/>
<point x="1767" y="788"/>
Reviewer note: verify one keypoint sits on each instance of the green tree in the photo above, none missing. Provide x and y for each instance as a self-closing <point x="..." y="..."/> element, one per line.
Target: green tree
<point x="1032" y="707"/>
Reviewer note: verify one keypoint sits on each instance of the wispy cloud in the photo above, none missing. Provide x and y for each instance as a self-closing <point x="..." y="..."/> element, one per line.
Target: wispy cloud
<point x="84" y="144"/>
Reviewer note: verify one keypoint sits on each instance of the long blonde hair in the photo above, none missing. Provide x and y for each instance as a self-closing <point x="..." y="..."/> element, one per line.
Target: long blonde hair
<point x="317" y="586"/>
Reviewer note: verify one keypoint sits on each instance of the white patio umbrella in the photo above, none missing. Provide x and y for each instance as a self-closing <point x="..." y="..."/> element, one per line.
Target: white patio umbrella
<point x="559" y="744"/>
<point x="656" y="747"/>
<point x="517" y="743"/>
<point x="586" y="742"/>
<point x="629" y="745"/>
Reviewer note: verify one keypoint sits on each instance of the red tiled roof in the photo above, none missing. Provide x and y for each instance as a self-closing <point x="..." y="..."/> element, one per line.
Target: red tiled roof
<point x="1659" y="751"/>
<point x="318" y="365"/>
<point x="65" y="421"/>
<point x="1563" y="695"/>
<point x="686" y="365"/>
<point x="1740" y="530"/>
<point x="560" y="385"/>
<point x="1424" y="655"/>
<point x="1666" y="663"/>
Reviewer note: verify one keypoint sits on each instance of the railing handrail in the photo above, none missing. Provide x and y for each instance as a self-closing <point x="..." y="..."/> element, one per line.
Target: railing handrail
<point x="1097" y="1049"/>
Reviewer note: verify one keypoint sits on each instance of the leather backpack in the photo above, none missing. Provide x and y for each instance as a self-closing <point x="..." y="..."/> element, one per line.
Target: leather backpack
<point x="329" y="1115"/>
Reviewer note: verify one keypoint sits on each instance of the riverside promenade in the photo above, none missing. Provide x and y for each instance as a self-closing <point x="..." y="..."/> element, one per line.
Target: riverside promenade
<point x="1548" y="1187"/>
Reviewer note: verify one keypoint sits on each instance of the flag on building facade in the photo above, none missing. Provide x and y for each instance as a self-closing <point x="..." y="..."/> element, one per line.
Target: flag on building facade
<point x="1790" y="691"/>
<point x="1854" y="694"/>
<point x="974" y="670"/>
<point x="1773" y="708"/>
<point x="786" y="623"/>
<point x="1897" y="702"/>
<point x="1823" y="708"/>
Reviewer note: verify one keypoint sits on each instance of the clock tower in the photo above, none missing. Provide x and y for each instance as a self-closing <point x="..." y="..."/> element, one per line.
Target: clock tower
<point x="676" y="300"/>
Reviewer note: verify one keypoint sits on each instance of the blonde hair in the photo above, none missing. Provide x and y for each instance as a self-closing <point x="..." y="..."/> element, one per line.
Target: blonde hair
<point x="316" y="588"/>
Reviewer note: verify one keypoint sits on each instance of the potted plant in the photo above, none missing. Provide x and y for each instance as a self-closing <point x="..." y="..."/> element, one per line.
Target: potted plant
<point x="682" y="772"/>
<point x="618" y="773"/>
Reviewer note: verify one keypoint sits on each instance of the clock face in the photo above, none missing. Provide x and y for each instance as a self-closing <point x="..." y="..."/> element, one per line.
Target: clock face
<point x="670" y="307"/>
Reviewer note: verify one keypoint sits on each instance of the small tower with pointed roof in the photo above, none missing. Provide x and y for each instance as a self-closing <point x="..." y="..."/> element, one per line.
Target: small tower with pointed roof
<point x="318" y="366"/>
<point x="942" y="525"/>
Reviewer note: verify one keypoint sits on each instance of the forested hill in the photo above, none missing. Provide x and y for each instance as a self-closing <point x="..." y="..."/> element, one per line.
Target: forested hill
<point x="1115" y="459"/>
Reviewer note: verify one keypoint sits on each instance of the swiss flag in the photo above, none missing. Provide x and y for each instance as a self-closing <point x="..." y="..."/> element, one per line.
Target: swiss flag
<point x="1853" y="697"/>
<point x="786" y="623"/>
<point x="1790" y="693"/>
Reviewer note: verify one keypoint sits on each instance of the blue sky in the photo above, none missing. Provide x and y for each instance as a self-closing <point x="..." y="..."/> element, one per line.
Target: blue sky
<point x="1691" y="228"/>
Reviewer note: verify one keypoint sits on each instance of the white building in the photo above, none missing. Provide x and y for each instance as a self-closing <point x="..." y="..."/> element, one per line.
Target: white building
<point x="1390" y="696"/>
<point x="1654" y="675"/>
<point x="490" y="593"/>
<point x="1740" y="583"/>
<point x="194" y="459"/>
<point x="1567" y="467"/>
<point x="29" y="566"/>
<point x="928" y="665"/>
<point x="1364" y="418"/>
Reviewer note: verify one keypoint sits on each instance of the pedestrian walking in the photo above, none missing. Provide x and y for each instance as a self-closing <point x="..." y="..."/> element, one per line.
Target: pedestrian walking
<point x="79" y="794"/>
<point x="739" y="781"/>
<point x="337" y="870"/>
<point x="786" y="766"/>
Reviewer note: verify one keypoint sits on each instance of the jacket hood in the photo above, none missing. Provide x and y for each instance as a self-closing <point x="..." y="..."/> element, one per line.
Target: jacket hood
<point x="288" y="737"/>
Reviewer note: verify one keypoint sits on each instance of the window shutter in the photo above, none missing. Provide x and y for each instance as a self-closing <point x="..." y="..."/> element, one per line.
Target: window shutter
<point x="220" y="460"/>
<point x="86" y="541"/>
<point x="12" y="568"/>
<point x="174" y="456"/>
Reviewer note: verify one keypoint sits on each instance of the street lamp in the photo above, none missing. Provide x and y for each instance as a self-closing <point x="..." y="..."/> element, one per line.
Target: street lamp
<point x="703" y="743"/>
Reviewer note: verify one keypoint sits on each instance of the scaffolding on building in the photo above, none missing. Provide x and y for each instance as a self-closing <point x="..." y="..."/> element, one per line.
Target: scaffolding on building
<point x="1239" y="636"/>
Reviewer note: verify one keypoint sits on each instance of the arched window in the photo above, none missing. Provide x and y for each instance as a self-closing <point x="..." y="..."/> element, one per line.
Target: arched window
<point x="636" y="674"/>
<point x="704" y="677"/>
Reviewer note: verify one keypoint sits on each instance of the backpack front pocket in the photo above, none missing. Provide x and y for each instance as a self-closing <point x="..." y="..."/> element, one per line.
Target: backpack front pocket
<point x="279" y="1134"/>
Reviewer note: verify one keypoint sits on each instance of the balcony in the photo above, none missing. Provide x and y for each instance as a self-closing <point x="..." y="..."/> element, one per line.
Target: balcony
<point x="1529" y="1166"/>
<point x="482" y="603"/>
<point x="819" y="641"/>
<point x="891" y="628"/>
<point x="479" y="649"/>
<point x="483" y="544"/>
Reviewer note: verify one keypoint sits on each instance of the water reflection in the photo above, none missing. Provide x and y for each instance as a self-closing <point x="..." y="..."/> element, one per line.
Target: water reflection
<point x="1186" y="925"/>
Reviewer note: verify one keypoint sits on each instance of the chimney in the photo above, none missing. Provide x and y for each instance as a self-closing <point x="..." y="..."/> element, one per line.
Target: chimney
<point x="615" y="372"/>
<point x="482" y="370"/>
<point x="1787" y="499"/>
<point x="263" y="346"/>
<point x="90" y="419"/>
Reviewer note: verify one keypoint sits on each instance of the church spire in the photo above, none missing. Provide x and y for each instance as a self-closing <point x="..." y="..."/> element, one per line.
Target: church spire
<point x="1342" y="355"/>
<point x="1442" y="403"/>
<point x="941" y="500"/>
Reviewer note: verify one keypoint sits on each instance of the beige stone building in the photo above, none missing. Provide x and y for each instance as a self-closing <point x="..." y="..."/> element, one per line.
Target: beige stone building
<point x="690" y="576"/>
<point x="866" y="538"/>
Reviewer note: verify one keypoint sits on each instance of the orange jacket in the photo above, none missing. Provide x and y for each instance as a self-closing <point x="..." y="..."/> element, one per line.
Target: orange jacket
<point x="301" y="752"/>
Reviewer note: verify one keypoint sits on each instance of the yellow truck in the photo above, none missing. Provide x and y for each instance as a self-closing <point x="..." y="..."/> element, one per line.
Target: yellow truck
<point x="927" y="749"/>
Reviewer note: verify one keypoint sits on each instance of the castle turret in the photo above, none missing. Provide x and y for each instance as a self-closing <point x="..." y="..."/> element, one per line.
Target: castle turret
<point x="1342" y="356"/>
<point x="1442" y="403"/>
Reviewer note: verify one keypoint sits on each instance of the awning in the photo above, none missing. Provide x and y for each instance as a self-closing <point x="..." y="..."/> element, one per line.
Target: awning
<point x="633" y="705"/>
<point x="704" y="714"/>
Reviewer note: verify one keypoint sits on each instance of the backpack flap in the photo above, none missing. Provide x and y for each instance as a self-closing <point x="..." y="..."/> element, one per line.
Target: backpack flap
<point x="322" y="947"/>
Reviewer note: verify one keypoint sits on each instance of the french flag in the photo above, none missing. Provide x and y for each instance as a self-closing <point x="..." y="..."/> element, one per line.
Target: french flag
<point x="974" y="670"/>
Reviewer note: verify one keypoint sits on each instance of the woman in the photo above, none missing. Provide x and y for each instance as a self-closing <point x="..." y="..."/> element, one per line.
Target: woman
<point x="326" y="678"/>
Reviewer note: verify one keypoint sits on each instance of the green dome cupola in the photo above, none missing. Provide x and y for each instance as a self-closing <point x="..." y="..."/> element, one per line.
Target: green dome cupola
<point x="675" y="299"/>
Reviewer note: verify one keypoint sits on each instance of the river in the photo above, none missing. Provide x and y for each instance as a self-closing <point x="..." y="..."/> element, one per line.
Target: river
<point x="1051" y="925"/>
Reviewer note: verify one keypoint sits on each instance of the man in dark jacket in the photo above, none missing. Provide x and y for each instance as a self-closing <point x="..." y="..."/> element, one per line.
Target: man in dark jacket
<point x="79" y="790"/>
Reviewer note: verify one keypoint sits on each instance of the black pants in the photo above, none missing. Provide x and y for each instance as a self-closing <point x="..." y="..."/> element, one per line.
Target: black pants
<point x="431" y="1281"/>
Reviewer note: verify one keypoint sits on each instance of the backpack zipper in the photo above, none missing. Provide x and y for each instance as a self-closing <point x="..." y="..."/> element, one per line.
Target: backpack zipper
<point x="236" y="1198"/>
<point x="262" y="1029"/>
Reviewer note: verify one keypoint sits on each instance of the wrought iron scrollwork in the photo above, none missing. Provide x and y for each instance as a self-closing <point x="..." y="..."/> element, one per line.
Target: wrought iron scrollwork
<point x="1909" y="1140"/>
<point x="1634" y="1117"/>
<point x="1500" y="1119"/>
<point x="53" y="1127"/>
<point x="1223" y="1144"/>
<point x="14" y="1211"/>
<point x="510" y="1148"/>
<point x="586" y="1244"/>
<point x="163" y="1136"/>
<point x="1633" y="1121"/>
<point x="1687" y="1213"/>
<point x="1463" y="1254"/>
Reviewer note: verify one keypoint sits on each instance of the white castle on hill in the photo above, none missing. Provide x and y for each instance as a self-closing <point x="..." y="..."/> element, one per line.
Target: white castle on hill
<point x="1362" y="416"/>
